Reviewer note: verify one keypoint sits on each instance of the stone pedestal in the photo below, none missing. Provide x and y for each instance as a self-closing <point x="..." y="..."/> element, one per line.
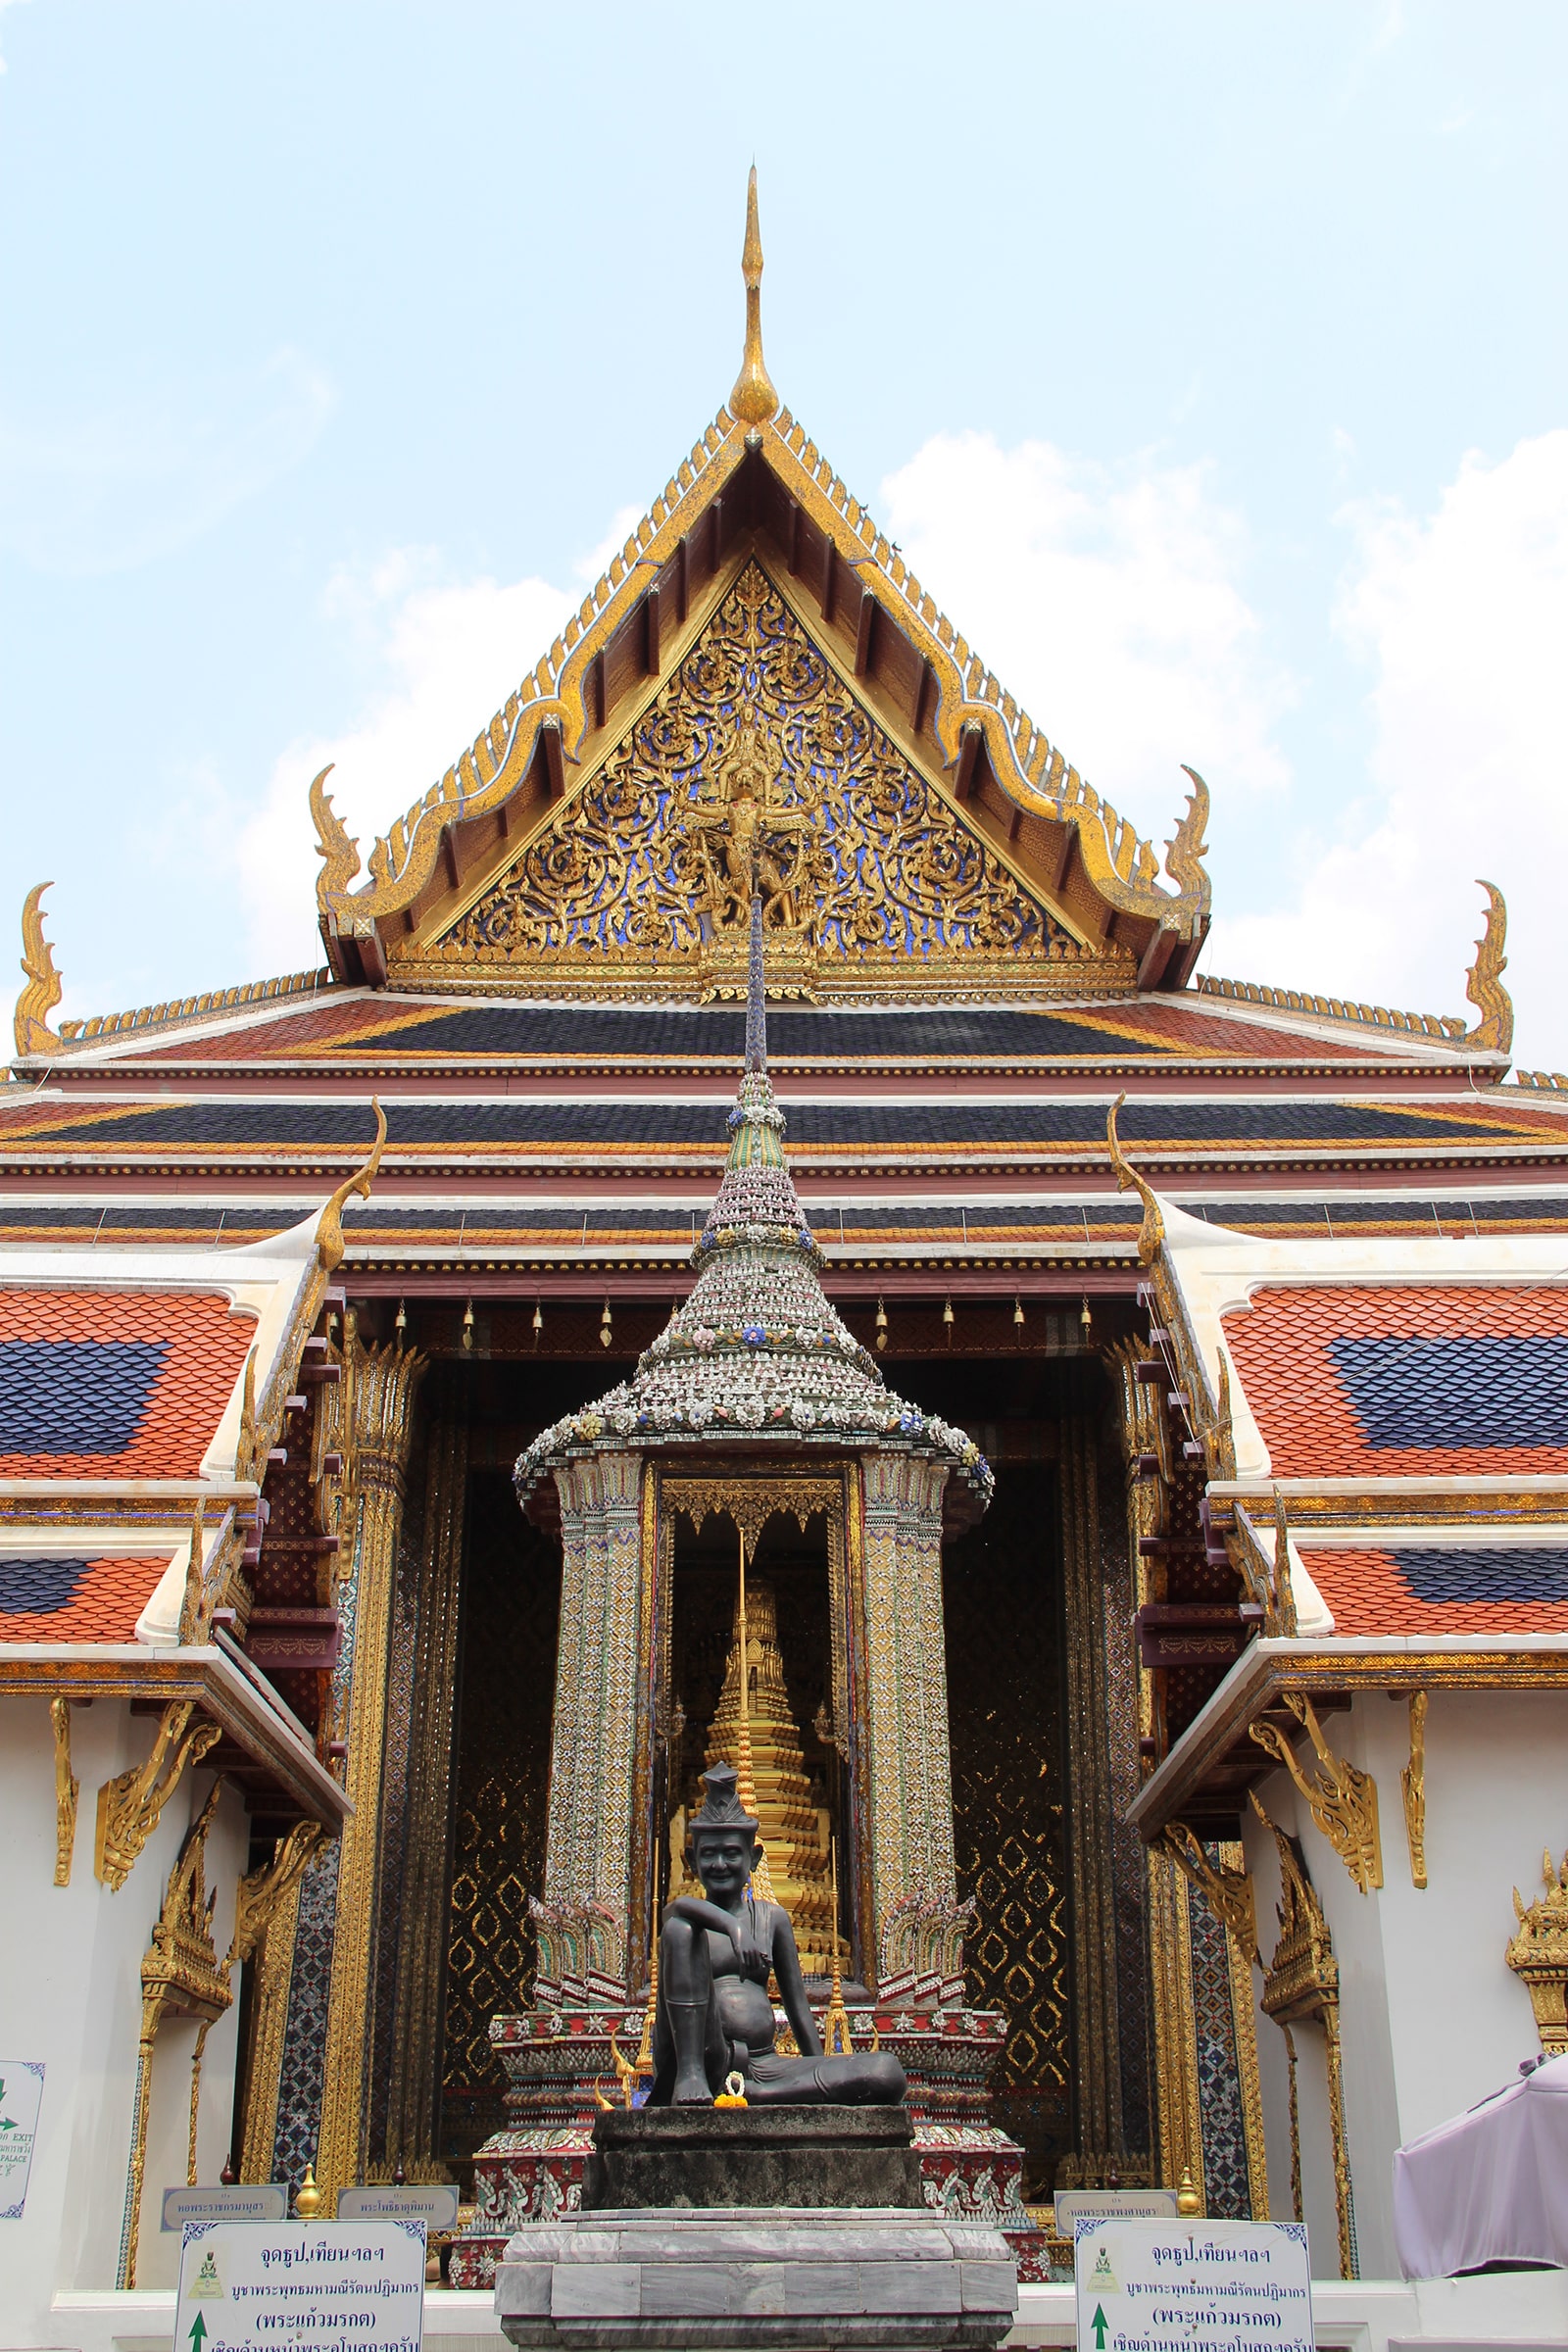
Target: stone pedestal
<point x="806" y="2157"/>
<point x="646" y="2280"/>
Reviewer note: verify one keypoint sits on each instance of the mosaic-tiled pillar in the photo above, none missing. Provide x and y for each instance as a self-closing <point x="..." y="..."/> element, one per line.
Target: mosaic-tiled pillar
<point x="584" y="1916"/>
<point x="320" y="2107"/>
<point x="920" y="1923"/>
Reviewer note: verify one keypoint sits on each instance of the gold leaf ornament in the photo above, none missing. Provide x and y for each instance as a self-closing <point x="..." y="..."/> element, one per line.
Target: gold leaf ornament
<point x="44" y="987"/>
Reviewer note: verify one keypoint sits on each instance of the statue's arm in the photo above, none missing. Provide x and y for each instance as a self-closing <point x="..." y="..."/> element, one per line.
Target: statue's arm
<point x="792" y="1987"/>
<point x="700" y="1914"/>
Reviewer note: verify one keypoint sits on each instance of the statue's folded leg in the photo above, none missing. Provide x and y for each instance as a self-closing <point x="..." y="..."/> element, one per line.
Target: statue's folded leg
<point x="866" y="2079"/>
<point x="686" y="1996"/>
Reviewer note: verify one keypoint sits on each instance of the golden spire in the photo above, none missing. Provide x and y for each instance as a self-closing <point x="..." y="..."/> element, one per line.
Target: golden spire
<point x="753" y="400"/>
<point x="744" y="1783"/>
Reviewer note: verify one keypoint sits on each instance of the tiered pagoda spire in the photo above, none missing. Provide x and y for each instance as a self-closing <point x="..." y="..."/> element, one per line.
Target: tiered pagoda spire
<point x="757" y="1353"/>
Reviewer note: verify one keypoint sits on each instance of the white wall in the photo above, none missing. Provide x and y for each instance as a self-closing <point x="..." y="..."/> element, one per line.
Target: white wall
<point x="70" y="1996"/>
<point x="1431" y="2017"/>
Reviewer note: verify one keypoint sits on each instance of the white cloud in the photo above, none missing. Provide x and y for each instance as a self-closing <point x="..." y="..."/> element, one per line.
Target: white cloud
<point x="87" y="491"/>
<point x="1462" y="618"/>
<point x="1109" y="600"/>
<point x="450" y="655"/>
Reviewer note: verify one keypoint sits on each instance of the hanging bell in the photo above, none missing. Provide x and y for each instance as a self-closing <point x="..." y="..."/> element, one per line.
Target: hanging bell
<point x="538" y="1318"/>
<point x="946" y="1312"/>
<point x="401" y="1319"/>
<point x="1018" y="1313"/>
<point x="1086" y="1321"/>
<point x="881" y="1325"/>
<point x="604" y="1326"/>
<point x="468" y="1326"/>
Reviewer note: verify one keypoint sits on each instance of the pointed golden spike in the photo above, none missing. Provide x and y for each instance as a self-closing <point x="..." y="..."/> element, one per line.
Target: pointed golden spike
<point x="753" y="400"/>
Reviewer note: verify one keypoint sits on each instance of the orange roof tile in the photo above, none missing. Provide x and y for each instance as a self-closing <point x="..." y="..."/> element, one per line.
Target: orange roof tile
<point x="114" y="1383"/>
<point x="1428" y="1589"/>
<point x="83" y="1599"/>
<point x="1382" y="1381"/>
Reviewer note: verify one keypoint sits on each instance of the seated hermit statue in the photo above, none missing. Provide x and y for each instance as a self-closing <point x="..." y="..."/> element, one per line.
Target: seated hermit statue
<point x="715" y="2015"/>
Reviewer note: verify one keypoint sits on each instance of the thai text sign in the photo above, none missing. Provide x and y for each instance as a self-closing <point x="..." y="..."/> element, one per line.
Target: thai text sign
<point x="261" y="2201"/>
<point x="1192" y="2286"/>
<point x="314" y="2287"/>
<point x="20" y="2094"/>
<point x="435" y="2203"/>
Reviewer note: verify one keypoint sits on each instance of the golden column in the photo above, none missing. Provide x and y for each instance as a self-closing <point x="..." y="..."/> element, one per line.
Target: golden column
<point x="380" y="1415"/>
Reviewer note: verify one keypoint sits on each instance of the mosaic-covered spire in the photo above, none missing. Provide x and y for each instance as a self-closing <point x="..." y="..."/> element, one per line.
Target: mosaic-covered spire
<point x="757" y="1352"/>
<point x="755" y="991"/>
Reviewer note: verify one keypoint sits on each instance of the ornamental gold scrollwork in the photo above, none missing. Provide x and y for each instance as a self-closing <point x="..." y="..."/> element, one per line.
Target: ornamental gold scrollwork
<point x="1538" y="1955"/>
<point x="1151" y="1232"/>
<point x="67" y="1791"/>
<point x="753" y="734"/>
<point x="180" y="1976"/>
<point x="1341" y="1799"/>
<point x="1414" y="1788"/>
<point x="751" y="1501"/>
<point x="1301" y="1982"/>
<point x="131" y="1804"/>
<point x="1493" y="1032"/>
<point x="1227" y="1893"/>
<point x="339" y="853"/>
<point x="44" y="988"/>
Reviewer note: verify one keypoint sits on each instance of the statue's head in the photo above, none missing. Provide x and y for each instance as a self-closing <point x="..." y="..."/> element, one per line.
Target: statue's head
<point x="722" y="1837"/>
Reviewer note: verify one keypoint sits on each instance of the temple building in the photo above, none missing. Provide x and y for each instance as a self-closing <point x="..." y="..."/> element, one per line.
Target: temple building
<point x="760" y="1113"/>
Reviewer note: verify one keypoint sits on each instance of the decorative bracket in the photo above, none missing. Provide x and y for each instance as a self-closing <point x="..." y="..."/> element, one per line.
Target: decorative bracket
<point x="1413" y="1786"/>
<point x="259" y="1894"/>
<point x="1341" y="1799"/>
<point x="1228" y="1892"/>
<point x="67" y="1789"/>
<point x="131" y="1804"/>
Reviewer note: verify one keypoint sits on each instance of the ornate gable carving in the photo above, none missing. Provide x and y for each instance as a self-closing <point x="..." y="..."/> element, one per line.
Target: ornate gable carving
<point x="871" y="879"/>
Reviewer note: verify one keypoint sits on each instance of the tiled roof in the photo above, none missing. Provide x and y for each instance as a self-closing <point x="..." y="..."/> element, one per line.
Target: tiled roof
<point x="463" y="1127"/>
<point x="114" y="1384"/>
<point x="1436" y="1588"/>
<point x="1382" y="1381"/>
<point x="82" y="1599"/>
<point x="388" y="1226"/>
<point x="383" y="1028"/>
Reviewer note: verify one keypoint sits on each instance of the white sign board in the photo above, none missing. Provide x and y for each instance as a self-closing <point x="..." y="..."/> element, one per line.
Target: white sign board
<point x="315" y="2286"/>
<point x="1199" y="2286"/>
<point x="1074" y="2205"/>
<point x="433" y="2202"/>
<point x="242" y="2201"/>
<point x="20" y="2093"/>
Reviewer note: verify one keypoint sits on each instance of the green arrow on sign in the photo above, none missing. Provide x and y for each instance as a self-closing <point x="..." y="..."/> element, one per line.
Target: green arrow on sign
<point x="198" y="2331"/>
<point x="1097" y="2323"/>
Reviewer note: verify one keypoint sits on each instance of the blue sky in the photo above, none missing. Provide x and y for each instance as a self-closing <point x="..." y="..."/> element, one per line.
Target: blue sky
<point x="1207" y="361"/>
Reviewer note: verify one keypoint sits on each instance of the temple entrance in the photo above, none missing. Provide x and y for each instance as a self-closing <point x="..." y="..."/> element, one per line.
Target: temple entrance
<point x="1031" y="1801"/>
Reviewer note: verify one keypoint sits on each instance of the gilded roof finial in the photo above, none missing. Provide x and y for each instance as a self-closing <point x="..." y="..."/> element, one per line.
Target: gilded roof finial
<point x="43" y="990"/>
<point x="1483" y="985"/>
<point x="753" y="400"/>
<point x="1152" y="1233"/>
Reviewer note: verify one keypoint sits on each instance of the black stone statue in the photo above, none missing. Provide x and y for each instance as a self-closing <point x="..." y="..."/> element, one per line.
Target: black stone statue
<point x="714" y="2015"/>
